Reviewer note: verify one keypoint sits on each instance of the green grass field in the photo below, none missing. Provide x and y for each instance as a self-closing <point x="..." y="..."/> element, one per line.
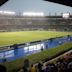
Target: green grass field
<point x="8" y="38"/>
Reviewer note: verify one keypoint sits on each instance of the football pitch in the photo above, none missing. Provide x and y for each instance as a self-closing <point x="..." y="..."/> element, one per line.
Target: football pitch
<point x="9" y="38"/>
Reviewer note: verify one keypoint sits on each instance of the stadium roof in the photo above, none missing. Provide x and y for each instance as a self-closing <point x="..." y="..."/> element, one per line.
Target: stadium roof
<point x="63" y="2"/>
<point x="2" y="2"/>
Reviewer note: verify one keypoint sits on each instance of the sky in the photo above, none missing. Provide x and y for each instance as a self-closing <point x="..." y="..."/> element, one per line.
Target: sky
<point x="35" y="6"/>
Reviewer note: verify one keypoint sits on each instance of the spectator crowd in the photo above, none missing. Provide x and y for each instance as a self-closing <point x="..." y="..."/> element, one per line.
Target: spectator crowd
<point x="62" y="64"/>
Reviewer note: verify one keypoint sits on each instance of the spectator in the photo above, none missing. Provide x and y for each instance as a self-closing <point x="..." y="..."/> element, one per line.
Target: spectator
<point x="40" y="66"/>
<point x="26" y="65"/>
<point x="33" y="68"/>
<point x="46" y="46"/>
<point x="69" y="67"/>
<point x="51" y="67"/>
<point x="41" y="48"/>
<point x="3" y="68"/>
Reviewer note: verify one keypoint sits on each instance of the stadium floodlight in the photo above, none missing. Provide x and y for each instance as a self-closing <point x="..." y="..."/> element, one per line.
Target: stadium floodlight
<point x="66" y="15"/>
<point x="1" y="12"/>
<point x="33" y="14"/>
<point x="7" y="12"/>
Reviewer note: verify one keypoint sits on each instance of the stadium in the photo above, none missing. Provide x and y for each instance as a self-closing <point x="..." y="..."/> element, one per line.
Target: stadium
<point x="40" y="22"/>
<point x="30" y="38"/>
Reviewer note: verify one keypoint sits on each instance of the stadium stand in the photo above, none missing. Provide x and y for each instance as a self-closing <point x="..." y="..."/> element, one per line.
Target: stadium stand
<point x="19" y="23"/>
<point x="62" y="63"/>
